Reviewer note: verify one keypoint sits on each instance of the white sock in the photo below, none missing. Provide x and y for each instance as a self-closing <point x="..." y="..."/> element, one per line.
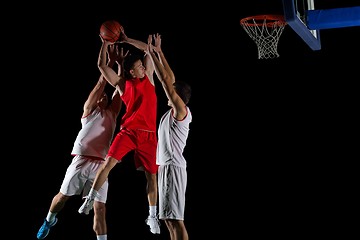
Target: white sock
<point x="92" y="193"/>
<point x="152" y="211"/>
<point x="101" y="237"/>
<point x="50" y="217"/>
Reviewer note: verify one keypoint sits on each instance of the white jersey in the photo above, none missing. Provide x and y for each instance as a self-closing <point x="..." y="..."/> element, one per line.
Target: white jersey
<point x="96" y="134"/>
<point x="172" y="136"/>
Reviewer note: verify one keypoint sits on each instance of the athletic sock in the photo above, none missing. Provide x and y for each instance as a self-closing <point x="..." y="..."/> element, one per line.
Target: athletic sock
<point x="50" y="217"/>
<point x="152" y="211"/>
<point x="101" y="237"/>
<point x="92" y="193"/>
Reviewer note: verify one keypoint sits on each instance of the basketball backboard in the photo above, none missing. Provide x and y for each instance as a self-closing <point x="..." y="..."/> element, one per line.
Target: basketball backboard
<point x="307" y="21"/>
<point x="295" y="15"/>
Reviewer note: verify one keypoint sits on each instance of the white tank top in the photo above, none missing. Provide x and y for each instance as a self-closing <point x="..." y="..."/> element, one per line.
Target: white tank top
<point x="172" y="136"/>
<point x="96" y="134"/>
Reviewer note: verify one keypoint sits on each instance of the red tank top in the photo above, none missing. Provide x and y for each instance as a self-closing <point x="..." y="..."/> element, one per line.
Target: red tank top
<point x="140" y="100"/>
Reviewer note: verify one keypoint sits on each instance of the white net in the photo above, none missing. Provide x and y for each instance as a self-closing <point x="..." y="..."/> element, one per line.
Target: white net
<point x="265" y="30"/>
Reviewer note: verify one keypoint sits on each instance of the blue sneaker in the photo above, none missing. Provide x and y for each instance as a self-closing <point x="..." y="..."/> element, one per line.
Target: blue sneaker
<point x="45" y="229"/>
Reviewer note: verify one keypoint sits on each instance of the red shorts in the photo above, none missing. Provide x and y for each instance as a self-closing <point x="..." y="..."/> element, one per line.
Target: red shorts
<point x="143" y="143"/>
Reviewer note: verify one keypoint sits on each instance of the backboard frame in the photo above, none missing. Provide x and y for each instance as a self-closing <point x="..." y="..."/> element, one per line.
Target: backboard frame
<point x="296" y="20"/>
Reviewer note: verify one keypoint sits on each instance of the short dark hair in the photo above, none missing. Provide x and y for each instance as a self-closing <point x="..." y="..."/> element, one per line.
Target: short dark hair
<point x="129" y="63"/>
<point x="183" y="90"/>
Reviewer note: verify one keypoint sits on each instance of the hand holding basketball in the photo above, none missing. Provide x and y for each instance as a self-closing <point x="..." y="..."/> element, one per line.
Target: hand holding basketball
<point x="111" y="30"/>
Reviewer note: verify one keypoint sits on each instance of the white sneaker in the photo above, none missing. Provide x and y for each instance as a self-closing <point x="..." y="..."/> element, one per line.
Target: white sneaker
<point x="87" y="205"/>
<point x="154" y="224"/>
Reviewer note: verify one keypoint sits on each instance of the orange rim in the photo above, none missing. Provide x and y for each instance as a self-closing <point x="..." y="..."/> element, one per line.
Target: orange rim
<point x="259" y="20"/>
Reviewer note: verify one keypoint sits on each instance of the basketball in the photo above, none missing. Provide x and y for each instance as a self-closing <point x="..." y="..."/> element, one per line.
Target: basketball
<point x="110" y="30"/>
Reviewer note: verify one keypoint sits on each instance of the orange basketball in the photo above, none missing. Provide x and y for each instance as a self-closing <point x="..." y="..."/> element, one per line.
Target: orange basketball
<point x="110" y="30"/>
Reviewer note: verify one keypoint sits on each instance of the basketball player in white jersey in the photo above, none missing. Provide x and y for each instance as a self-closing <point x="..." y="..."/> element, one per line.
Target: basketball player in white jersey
<point x="173" y="132"/>
<point x="91" y="145"/>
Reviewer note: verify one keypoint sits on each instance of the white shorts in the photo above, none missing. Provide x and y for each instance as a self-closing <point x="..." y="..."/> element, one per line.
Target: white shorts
<point x="172" y="182"/>
<point x="80" y="176"/>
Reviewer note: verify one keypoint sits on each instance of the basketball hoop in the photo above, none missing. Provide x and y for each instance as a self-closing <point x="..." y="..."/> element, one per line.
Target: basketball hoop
<point x="265" y="30"/>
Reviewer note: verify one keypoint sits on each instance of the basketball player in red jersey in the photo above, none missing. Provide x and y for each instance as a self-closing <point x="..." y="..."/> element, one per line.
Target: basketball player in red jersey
<point x="138" y="124"/>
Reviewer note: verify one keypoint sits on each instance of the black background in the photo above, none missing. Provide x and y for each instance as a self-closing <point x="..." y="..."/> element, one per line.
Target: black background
<point x="260" y="131"/>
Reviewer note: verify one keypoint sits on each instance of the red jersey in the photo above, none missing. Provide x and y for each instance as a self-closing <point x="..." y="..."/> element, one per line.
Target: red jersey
<point x="140" y="100"/>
